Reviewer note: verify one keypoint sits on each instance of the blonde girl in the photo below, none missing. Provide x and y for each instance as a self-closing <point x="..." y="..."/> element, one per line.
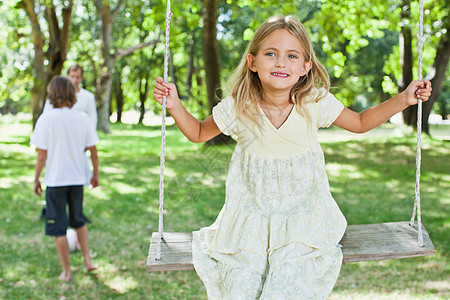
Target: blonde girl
<point x="277" y="235"/>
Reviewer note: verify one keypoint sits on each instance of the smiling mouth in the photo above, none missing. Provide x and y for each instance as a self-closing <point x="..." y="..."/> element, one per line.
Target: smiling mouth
<point x="279" y="74"/>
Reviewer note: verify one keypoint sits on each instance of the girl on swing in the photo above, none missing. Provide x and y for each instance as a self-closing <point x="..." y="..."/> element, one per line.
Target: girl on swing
<point x="277" y="234"/>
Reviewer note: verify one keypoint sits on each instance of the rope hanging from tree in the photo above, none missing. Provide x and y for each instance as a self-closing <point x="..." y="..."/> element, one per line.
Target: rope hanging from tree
<point x="163" y="135"/>
<point x="419" y="136"/>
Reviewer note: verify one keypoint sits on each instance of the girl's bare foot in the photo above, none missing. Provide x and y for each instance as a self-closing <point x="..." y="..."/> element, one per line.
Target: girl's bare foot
<point x="65" y="277"/>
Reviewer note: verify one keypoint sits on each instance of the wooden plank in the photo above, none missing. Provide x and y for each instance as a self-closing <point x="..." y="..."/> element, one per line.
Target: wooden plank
<point x="176" y="252"/>
<point x="384" y="241"/>
<point x="360" y="243"/>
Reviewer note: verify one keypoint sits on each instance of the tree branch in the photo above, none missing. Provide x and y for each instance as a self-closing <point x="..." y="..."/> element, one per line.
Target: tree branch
<point x="118" y="8"/>
<point x="124" y="52"/>
<point x="98" y="4"/>
<point x="36" y="28"/>
<point x="67" y="19"/>
<point x="52" y="21"/>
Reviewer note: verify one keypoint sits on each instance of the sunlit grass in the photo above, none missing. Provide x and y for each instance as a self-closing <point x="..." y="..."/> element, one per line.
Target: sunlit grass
<point x="372" y="179"/>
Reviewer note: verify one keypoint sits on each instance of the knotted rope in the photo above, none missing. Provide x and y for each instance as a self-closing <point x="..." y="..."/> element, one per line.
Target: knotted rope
<point x="163" y="136"/>
<point x="419" y="136"/>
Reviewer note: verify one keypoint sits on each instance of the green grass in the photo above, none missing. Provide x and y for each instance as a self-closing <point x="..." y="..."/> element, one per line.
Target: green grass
<point x="372" y="179"/>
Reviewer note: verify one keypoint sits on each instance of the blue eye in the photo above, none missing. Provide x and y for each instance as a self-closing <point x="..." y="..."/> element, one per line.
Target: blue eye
<point x="292" y="56"/>
<point x="270" y="54"/>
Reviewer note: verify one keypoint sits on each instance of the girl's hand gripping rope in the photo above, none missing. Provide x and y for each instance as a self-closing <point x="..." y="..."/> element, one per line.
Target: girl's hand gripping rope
<point x="417" y="89"/>
<point x="162" y="89"/>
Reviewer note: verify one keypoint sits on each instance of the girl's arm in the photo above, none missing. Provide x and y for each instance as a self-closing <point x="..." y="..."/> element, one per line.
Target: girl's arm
<point x="194" y="130"/>
<point x="377" y="115"/>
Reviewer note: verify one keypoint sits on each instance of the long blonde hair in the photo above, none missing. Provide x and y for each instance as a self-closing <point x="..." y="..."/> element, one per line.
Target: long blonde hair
<point x="245" y="84"/>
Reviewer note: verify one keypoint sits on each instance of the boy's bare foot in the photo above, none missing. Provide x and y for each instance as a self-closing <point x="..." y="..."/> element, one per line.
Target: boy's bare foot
<point x="90" y="267"/>
<point x="65" y="277"/>
<point x="93" y="268"/>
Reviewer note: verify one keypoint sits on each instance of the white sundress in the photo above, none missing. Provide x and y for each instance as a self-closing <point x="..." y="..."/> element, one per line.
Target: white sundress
<point x="277" y="234"/>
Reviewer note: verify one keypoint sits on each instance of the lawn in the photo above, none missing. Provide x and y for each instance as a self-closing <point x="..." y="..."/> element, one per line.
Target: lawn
<point x="371" y="178"/>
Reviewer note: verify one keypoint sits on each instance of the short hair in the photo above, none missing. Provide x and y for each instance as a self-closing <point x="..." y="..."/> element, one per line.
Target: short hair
<point x="75" y="68"/>
<point x="61" y="92"/>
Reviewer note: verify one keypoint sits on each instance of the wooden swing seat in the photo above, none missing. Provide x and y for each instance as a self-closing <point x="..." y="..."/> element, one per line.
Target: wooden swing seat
<point x="360" y="243"/>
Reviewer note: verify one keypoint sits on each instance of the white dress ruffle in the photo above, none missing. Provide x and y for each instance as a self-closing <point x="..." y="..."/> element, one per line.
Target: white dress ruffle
<point x="277" y="234"/>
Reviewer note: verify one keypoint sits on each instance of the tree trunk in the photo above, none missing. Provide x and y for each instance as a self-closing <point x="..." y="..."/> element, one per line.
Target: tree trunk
<point x="104" y="81"/>
<point x="173" y="74"/>
<point x="211" y="51"/>
<point x="190" y="66"/>
<point x="436" y="76"/>
<point x="55" y="55"/>
<point x="211" y="60"/>
<point x="143" y="96"/>
<point x="119" y="93"/>
<point x="406" y="59"/>
<point x="38" y="62"/>
<point x="437" y="73"/>
<point x="172" y="69"/>
<point x="443" y="112"/>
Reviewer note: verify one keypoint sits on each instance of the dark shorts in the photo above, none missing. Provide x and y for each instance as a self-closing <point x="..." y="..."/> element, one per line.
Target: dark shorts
<point x="58" y="199"/>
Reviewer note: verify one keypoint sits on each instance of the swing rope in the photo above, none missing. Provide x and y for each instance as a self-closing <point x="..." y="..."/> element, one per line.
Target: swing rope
<point x="163" y="135"/>
<point x="419" y="136"/>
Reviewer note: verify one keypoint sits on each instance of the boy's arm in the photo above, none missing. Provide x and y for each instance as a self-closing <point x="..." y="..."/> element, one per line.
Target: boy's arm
<point x="377" y="115"/>
<point x="40" y="163"/>
<point x="94" y="159"/>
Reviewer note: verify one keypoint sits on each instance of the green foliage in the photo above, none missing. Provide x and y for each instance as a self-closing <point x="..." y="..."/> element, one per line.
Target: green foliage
<point x="349" y="31"/>
<point x="356" y="40"/>
<point x="15" y="57"/>
<point x="442" y="105"/>
<point x="434" y="12"/>
<point x="84" y="45"/>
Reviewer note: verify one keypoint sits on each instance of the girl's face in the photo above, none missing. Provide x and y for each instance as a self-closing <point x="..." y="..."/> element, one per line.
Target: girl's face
<point x="279" y="62"/>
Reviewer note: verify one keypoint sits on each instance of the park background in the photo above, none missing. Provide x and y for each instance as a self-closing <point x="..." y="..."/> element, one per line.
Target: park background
<point x="370" y="52"/>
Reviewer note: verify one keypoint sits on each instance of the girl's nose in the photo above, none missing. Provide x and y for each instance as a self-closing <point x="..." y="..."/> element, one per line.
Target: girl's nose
<point x="280" y="63"/>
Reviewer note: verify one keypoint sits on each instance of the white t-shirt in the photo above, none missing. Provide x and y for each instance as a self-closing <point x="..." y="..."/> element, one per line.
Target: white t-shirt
<point x="65" y="133"/>
<point x="85" y="103"/>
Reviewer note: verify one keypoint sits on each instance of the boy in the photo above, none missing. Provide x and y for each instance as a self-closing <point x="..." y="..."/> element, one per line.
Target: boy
<point x="61" y="137"/>
<point x="85" y="103"/>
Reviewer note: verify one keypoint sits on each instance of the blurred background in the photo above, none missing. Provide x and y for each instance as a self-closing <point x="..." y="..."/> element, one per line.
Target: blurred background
<point x="368" y="47"/>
